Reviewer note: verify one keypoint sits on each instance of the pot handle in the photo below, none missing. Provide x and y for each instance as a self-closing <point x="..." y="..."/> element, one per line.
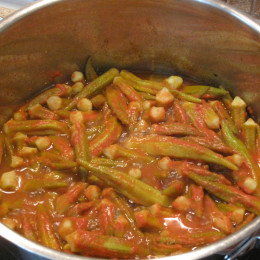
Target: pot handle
<point x="242" y="247"/>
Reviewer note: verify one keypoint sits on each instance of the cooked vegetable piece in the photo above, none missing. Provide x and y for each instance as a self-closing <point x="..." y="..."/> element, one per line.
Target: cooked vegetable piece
<point x="103" y="246"/>
<point x="89" y="71"/>
<point x="118" y="103"/>
<point x="108" y="136"/>
<point x="46" y="232"/>
<point x="94" y="87"/>
<point x="176" y="148"/>
<point x="28" y="126"/>
<point x="239" y="146"/>
<point x="58" y="90"/>
<point x="117" y="151"/>
<point x="80" y="142"/>
<point x="66" y="200"/>
<point x="130" y="187"/>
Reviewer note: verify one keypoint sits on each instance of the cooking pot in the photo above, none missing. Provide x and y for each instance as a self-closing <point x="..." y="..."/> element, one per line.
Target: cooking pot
<point x="204" y="40"/>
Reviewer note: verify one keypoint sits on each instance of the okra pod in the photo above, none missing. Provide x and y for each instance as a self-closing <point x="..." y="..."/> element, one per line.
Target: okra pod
<point x="235" y="213"/>
<point x="214" y="146"/>
<point x="174" y="189"/>
<point x="192" y="239"/>
<point x="117" y="151"/>
<point x="177" y="148"/>
<point x="79" y="140"/>
<point x="46" y="232"/>
<point x="108" y="136"/>
<point x="80" y="208"/>
<point x="236" y="144"/>
<point x="227" y="99"/>
<point x="39" y="112"/>
<point x="127" y="89"/>
<point x="238" y="111"/>
<point x="174" y="129"/>
<point x="27" y="228"/>
<point x="246" y="221"/>
<point x="58" y="90"/>
<point x="118" y="103"/>
<point x="152" y="87"/>
<point x="55" y="161"/>
<point x="200" y="90"/>
<point x="226" y="192"/>
<point x="66" y="200"/>
<point x="94" y="87"/>
<point x="89" y="71"/>
<point x="250" y="128"/>
<point x="223" y="114"/>
<point x="34" y="184"/>
<point x="94" y="244"/>
<point x="125" y="209"/>
<point x="63" y="146"/>
<point x="197" y="197"/>
<point x="219" y="220"/>
<point x="180" y="113"/>
<point x="195" y="112"/>
<point x="108" y="162"/>
<point x="28" y="126"/>
<point x="127" y="185"/>
<point x="106" y="216"/>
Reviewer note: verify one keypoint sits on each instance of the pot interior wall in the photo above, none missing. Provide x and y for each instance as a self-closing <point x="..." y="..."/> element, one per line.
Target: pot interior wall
<point x="190" y="38"/>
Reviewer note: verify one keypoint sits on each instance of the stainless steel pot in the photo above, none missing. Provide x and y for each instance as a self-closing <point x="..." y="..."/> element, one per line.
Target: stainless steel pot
<point x="203" y="39"/>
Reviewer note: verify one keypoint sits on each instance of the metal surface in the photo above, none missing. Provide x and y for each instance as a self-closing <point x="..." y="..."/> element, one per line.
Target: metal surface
<point x="203" y="39"/>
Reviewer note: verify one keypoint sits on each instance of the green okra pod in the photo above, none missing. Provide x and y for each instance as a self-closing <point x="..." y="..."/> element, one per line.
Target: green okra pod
<point x="79" y="140"/>
<point x="250" y="129"/>
<point x="200" y="90"/>
<point x="94" y="87"/>
<point x="58" y="90"/>
<point x="104" y="245"/>
<point x="177" y="148"/>
<point x="174" y="129"/>
<point x="127" y="89"/>
<point x="226" y="192"/>
<point x="46" y="232"/>
<point x="89" y="71"/>
<point x="108" y="136"/>
<point x="118" y="103"/>
<point x="34" y="184"/>
<point x="116" y="151"/>
<point x="127" y="185"/>
<point x="28" y="126"/>
<point x="236" y="144"/>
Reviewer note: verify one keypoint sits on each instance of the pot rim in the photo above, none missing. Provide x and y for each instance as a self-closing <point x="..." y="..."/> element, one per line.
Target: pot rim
<point x="227" y="243"/>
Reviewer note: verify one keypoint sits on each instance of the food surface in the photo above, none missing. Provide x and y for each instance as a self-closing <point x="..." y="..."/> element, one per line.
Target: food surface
<point x="121" y="166"/>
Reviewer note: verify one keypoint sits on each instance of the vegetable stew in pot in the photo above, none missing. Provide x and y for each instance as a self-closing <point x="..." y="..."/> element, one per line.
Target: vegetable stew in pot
<point x="121" y="166"/>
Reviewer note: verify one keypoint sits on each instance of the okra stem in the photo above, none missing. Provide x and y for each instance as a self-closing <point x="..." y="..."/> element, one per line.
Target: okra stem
<point x="250" y="128"/>
<point x="238" y="111"/>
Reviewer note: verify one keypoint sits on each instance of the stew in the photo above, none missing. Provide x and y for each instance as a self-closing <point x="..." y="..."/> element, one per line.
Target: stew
<point x="121" y="166"/>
